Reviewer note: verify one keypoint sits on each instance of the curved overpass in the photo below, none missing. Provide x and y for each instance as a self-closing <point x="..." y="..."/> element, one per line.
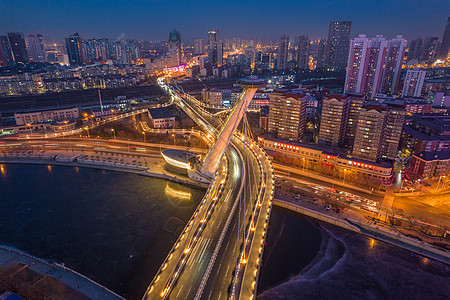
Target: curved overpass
<point x="218" y="254"/>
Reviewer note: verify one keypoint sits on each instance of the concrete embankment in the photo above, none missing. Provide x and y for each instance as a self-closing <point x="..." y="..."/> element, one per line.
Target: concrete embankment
<point x="376" y="232"/>
<point x="76" y="161"/>
<point x="46" y="277"/>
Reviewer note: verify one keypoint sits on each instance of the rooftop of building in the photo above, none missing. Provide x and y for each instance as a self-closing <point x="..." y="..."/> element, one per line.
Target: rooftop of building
<point x="290" y="92"/>
<point x="383" y="106"/>
<point x="160" y="113"/>
<point x="423" y="136"/>
<point x="46" y="109"/>
<point x="339" y="97"/>
<point x="435" y="155"/>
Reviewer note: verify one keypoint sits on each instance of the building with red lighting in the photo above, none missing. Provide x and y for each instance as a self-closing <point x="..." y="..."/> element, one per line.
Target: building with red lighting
<point x="313" y="157"/>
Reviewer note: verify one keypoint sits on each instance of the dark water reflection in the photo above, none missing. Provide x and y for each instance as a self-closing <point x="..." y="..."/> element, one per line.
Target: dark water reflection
<point x="115" y="228"/>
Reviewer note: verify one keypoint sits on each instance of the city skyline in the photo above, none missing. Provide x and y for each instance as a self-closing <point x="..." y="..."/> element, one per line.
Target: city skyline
<point x="147" y="19"/>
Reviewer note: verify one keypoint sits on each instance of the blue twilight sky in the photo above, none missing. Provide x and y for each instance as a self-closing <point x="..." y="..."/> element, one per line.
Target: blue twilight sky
<point x="154" y="19"/>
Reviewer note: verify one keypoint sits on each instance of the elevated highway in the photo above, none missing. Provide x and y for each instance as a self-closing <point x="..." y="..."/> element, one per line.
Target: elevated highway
<point x="218" y="254"/>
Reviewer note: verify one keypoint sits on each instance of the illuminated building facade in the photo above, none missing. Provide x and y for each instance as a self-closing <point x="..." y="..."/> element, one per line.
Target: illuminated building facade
<point x="357" y="64"/>
<point x="333" y="121"/>
<point x="310" y="157"/>
<point x="287" y="114"/>
<point x="393" y="65"/>
<point x="413" y="84"/>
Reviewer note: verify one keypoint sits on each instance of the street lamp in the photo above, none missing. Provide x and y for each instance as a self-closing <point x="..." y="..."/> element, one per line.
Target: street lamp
<point x="87" y="130"/>
<point x="143" y="132"/>
<point x="114" y="132"/>
<point x="173" y="135"/>
<point x="345" y="172"/>
<point x="31" y="130"/>
<point x="440" y="177"/>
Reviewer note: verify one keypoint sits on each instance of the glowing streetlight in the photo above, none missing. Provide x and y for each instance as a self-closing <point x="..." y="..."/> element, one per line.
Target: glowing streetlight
<point x="437" y="187"/>
<point x="87" y="130"/>
<point x="143" y="132"/>
<point x="114" y="132"/>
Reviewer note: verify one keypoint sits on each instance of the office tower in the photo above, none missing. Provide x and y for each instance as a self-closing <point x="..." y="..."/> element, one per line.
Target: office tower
<point x="445" y="44"/>
<point x="375" y="64"/>
<point x="356" y="103"/>
<point x="36" y="48"/>
<point x="283" y="52"/>
<point x="318" y="51"/>
<point x="287" y="114"/>
<point x="219" y="50"/>
<point x="413" y="84"/>
<point x="199" y="46"/>
<point x="74" y="49"/>
<point x="213" y="37"/>
<point x="378" y="131"/>
<point x="175" y="45"/>
<point x="215" y="48"/>
<point x="6" y="58"/>
<point x="333" y="120"/>
<point x="302" y="52"/>
<point x="357" y="65"/>
<point x="393" y="64"/>
<point x="338" y="44"/>
<point x="18" y="47"/>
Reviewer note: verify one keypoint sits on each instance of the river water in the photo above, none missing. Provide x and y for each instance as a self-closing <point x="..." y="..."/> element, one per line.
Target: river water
<point x="117" y="228"/>
<point x="114" y="227"/>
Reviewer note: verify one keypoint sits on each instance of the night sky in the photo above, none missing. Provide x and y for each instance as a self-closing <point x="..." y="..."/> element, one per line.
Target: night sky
<point x="153" y="19"/>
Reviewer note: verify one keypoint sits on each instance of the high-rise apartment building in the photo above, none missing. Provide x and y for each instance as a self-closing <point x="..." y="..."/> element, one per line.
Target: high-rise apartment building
<point x="338" y="44"/>
<point x="369" y="133"/>
<point x="283" y="52"/>
<point x="393" y="64"/>
<point x="413" y="84"/>
<point x="333" y="121"/>
<point x="302" y="54"/>
<point x="287" y="114"/>
<point x="378" y="131"/>
<point x="199" y="46"/>
<point x="356" y="103"/>
<point x="18" y="47"/>
<point x="393" y="130"/>
<point x="357" y="65"/>
<point x="36" y="48"/>
<point x="445" y="44"/>
<point x="375" y="63"/>
<point x="74" y="49"/>
<point x="175" y="46"/>
<point x="6" y="58"/>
